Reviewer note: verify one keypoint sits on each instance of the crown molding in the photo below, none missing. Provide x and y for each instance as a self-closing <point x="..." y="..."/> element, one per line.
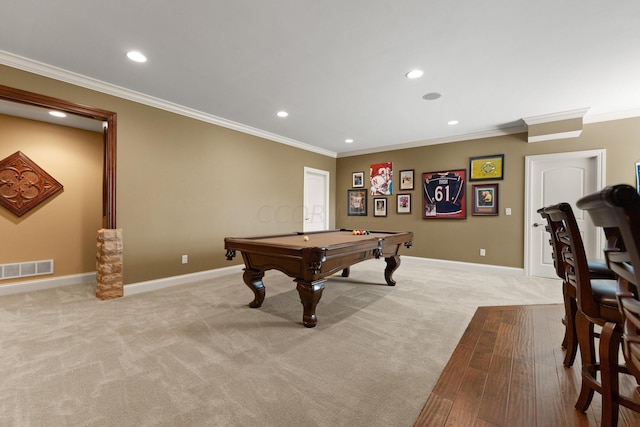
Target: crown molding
<point x="554" y="117"/>
<point x="616" y="115"/>
<point x="46" y="70"/>
<point x="443" y="140"/>
<point x="39" y="68"/>
<point x="546" y="134"/>
<point x="552" y="136"/>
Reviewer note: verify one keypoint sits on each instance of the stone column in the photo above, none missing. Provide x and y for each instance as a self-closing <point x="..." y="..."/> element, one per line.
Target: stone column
<point x="109" y="279"/>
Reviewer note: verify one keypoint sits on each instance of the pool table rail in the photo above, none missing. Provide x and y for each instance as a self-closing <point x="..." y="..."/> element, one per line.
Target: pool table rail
<point x="309" y="262"/>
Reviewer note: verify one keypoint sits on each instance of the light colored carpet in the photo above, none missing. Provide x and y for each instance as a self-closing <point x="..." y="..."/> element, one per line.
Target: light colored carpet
<point x="196" y="355"/>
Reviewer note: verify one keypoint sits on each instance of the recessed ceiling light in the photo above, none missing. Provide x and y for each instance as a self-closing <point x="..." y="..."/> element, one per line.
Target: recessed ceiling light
<point x="282" y="114"/>
<point x="431" y="96"/>
<point x="136" y="56"/>
<point x="57" y="114"/>
<point x="414" y="74"/>
<point x="452" y="122"/>
<point x="348" y="141"/>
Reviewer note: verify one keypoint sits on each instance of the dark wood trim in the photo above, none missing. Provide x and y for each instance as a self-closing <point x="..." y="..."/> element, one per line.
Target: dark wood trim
<point x="108" y="117"/>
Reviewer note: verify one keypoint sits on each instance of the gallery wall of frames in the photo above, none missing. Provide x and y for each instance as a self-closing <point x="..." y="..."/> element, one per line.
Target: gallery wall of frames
<point x="441" y="194"/>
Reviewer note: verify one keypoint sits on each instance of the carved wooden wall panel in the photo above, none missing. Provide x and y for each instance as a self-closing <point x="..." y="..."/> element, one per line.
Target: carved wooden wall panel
<point x="23" y="184"/>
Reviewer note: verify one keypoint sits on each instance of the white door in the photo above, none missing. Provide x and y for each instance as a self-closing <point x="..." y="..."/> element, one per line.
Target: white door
<point x="316" y="200"/>
<point x="555" y="178"/>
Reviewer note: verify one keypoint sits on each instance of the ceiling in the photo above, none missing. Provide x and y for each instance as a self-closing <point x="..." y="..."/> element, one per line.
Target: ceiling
<point x="338" y="67"/>
<point x="42" y="115"/>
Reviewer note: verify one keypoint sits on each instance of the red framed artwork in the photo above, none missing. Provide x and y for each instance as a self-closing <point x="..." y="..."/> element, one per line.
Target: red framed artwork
<point x="443" y="194"/>
<point x="381" y="178"/>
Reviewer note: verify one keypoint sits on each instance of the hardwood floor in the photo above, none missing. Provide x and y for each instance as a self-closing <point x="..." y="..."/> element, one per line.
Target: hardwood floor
<point x="507" y="371"/>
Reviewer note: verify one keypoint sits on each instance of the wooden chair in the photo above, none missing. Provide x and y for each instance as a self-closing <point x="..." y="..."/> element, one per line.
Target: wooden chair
<point x="597" y="270"/>
<point x="617" y="210"/>
<point x="597" y="305"/>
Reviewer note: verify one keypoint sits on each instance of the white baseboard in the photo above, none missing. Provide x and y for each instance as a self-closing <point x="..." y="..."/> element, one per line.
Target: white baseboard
<point x="54" y="282"/>
<point x="459" y="265"/>
<point x="165" y="282"/>
<point x="152" y="285"/>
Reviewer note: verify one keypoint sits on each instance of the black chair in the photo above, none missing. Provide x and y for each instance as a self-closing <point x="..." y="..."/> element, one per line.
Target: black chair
<point x="617" y="210"/>
<point x="597" y="270"/>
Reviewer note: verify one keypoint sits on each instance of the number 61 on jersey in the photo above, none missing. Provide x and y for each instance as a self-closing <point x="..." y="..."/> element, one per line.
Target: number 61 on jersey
<point x="443" y="194"/>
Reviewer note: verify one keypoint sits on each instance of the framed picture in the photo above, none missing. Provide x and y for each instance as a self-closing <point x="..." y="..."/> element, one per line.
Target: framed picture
<point x="357" y="202"/>
<point x="406" y="179"/>
<point x="357" y="179"/>
<point x="443" y="194"/>
<point x="403" y="204"/>
<point x="380" y="175"/>
<point x="485" y="199"/>
<point x="638" y="176"/>
<point x="380" y="207"/>
<point x="486" y="167"/>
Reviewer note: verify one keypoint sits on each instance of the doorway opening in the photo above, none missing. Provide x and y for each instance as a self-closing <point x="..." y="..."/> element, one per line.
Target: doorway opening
<point x="109" y="139"/>
<point x="316" y="200"/>
<point x="555" y="178"/>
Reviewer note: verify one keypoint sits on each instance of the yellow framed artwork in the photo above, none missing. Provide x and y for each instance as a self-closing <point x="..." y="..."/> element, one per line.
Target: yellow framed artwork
<point x="486" y="167"/>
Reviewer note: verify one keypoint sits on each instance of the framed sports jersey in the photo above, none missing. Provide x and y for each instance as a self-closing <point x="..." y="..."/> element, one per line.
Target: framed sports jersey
<point x="443" y="194"/>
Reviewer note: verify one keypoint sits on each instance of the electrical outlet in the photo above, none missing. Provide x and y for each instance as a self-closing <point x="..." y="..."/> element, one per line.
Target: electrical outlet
<point x="483" y="252"/>
<point x="185" y="259"/>
<point x="507" y="211"/>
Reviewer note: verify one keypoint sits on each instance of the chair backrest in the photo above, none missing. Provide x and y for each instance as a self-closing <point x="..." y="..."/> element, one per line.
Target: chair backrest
<point x="617" y="210"/>
<point x="556" y="249"/>
<point x="573" y="260"/>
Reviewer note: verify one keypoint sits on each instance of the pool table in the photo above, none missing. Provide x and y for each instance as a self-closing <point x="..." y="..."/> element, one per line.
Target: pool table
<point x="311" y="257"/>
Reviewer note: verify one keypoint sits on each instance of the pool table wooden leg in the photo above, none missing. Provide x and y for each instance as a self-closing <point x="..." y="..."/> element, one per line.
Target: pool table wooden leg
<point x="310" y="293"/>
<point x="253" y="279"/>
<point x="393" y="262"/>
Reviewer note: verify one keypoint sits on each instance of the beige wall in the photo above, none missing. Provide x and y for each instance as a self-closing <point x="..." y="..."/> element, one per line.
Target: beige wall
<point x="501" y="236"/>
<point x="183" y="185"/>
<point x="63" y="227"/>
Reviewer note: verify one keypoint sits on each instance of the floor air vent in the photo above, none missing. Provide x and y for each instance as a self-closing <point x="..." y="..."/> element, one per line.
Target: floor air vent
<point x="26" y="269"/>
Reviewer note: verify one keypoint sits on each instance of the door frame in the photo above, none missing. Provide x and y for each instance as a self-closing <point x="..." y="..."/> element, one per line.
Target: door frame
<point x="326" y="175"/>
<point x="109" y="119"/>
<point x="599" y="155"/>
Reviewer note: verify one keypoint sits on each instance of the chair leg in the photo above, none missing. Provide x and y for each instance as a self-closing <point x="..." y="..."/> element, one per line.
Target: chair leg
<point x="570" y="341"/>
<point x="610" y="338"/>
<point x="567" y="316"/>
<point x="584" y="328"/>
